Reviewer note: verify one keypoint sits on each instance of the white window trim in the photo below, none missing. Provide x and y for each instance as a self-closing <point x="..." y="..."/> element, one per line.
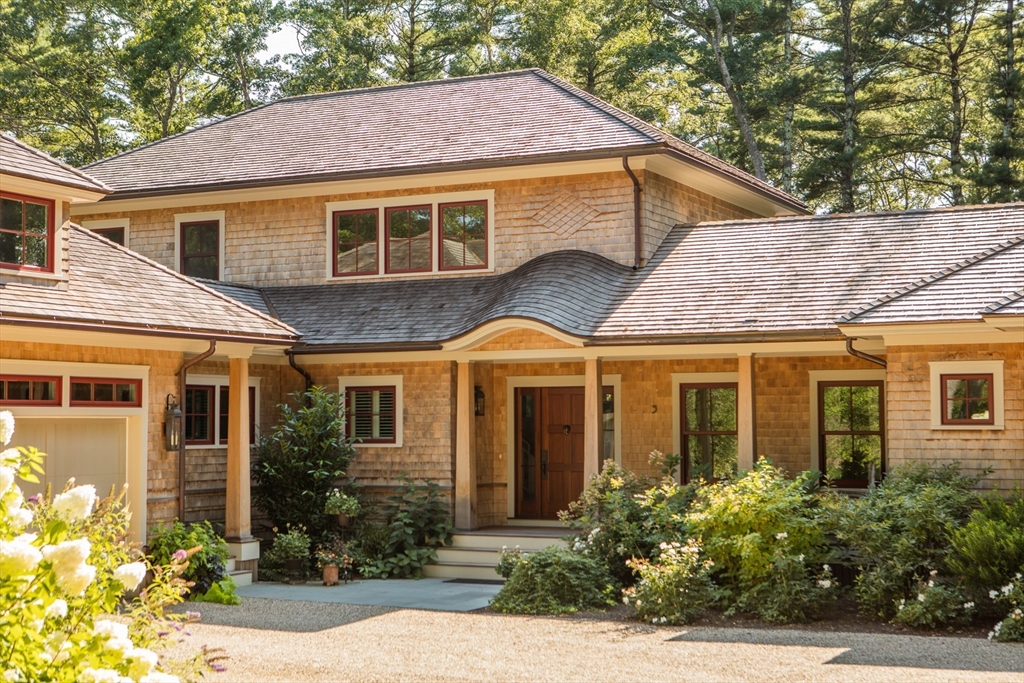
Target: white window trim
<point x="380" y="204"/>
<point x="680" y="378"/>
<point x="217" y="382"/>
<point x="515" y="382"/>
<point x="355" y="381"/>
<point x="108" y="223"/>
<point x="180" y="218"/>
<point x="816" y="376"/>
<point x="966" y="367"/>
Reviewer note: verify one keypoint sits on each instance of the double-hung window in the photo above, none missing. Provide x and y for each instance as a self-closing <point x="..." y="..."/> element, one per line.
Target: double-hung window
<point x="710" y="446"/>
<point x="198" y="411"/>
<point x="851" y="426"/>
<point x="26" y="233"/>
<point x="225" y="405"/>
<point x="371" y="414"/>
<point x="200" y="249"/>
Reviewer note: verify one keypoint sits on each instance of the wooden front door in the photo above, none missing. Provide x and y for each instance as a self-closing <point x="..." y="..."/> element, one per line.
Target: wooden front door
<point x="549" y="450"/>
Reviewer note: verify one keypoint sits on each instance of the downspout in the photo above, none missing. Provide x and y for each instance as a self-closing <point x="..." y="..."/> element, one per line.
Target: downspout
<point x="182" y="372"/>
<point x="863" y="356"/>
<point x="637" y="256"/>
<point x="291" y="361"/>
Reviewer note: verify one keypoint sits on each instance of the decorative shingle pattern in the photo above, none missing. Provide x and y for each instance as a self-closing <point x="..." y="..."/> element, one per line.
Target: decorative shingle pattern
<point x="1011" y="304"/>
<point x="111" y="285"/>
<point x="18" y="159"/>
<point x="566" y="214"/>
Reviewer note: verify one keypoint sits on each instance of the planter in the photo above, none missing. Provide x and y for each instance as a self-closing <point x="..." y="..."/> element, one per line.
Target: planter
<point x="295" y="571"/>
<point x="343" y="520"/>
<point x="330" y="575"/>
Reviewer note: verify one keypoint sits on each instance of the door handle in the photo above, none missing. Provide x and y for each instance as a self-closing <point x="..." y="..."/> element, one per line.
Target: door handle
<point x="543" y="464"/>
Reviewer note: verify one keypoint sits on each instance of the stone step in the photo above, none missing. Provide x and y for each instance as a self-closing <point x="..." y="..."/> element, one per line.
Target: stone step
<point x="474" y="556"/>
<point x="443" y="570"/>
<point x="484" y="541"/>
<point x="230" y="566"/>
<point x="242" y="577"/>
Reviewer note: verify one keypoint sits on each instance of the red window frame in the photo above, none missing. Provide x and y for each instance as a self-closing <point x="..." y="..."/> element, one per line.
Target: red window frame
<point x="222" y="423"/>
<point x="823" y="433"/>
<point x="50" y="232"/>
<point x="989" y="377"/>
<point x="107" y="232"/>
<point x="387" y="237"/>
<point x="350" y="413"/>
<point x="334" y="238"/>
<point x="684" y="430"/>
<point x="55" y="401"/>
<point x="93" y="381"/>
<point x="183" y="257"/>
<point x="210" y="414"/>
<point x="441" y="236"/>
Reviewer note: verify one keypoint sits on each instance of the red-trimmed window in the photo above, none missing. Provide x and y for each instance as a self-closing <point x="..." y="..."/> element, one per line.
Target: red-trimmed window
<point x="115" y="235"/>
<point x="851" y="432"/>
<point x="355" y="242"/>
<point x="225" y="395"/>
<point x="200" y="249"/>
<point x="408" y="239"/>
<point x="967" y="400"/>
<point x="105" y="392"/>
<point x="371" y="414"/>
<point x="463" y="244"/>
<point x="26" y="232"/>
<point x="709" y="436"/>
<point x="26" y="390"/>
<point x="198" y="415"/>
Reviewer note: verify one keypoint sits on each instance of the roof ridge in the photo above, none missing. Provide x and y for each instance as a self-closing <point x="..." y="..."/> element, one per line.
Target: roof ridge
<point x="139" y="257"/>
<point x="46" y="157"/>
<point x="1004" y="301"/>
<point x="946" y="272"/>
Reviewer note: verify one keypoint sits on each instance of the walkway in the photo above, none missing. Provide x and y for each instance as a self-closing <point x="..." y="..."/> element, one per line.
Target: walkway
<point x="446" y="595"/>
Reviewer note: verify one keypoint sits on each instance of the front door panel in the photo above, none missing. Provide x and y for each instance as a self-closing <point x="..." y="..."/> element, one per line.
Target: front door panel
<point x="549" y="450"/>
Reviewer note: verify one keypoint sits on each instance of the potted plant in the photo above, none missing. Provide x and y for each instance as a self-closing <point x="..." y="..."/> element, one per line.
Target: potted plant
<point x="334" y="560"/>
<point x="293" y="547"/>
<point x="341" y="504"/>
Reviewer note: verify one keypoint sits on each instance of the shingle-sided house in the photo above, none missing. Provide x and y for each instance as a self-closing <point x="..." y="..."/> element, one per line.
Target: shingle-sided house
<point x="511" y="281"/>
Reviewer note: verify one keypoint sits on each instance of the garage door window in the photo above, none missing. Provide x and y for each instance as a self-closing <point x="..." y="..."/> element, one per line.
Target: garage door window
<point x="106" y="392"/>
<point x="21" y="390"/>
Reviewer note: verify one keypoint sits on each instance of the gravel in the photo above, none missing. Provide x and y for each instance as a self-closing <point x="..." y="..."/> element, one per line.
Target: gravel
<point x="274" y="640"/>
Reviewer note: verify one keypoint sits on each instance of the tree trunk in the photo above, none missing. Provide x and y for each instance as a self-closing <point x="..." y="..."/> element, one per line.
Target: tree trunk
<point x="787" y="119"/>
<point x="956" y="160"/>
<point x="1010" y="66"/>
<point x="846" y="164"/>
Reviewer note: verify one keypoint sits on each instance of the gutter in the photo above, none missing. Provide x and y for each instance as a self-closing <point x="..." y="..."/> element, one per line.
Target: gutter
<point x="181" y="374"/>
<point x="363" y="348"/>
<point x="637" y="232"/>
<point x="864" y="356"/>
<point x="656" y="340"/>
<point x="123" y="328"/>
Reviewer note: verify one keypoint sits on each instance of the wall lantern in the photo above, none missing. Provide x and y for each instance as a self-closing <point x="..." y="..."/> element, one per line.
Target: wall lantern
<point x="478" y="401"/>
<point x="172" y="424"/>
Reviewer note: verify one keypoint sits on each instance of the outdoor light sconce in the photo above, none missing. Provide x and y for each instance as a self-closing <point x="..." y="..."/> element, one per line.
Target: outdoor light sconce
<point x="172" y="424"/>
<point x="478" y="401"/>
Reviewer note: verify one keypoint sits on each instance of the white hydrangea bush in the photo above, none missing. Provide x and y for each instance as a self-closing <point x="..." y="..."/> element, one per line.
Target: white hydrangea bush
<point x="65" y="569"/>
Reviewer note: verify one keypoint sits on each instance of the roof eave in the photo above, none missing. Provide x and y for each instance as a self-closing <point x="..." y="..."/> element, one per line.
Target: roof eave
<point x="54" y="322"/>
<point x="717" y="338"/>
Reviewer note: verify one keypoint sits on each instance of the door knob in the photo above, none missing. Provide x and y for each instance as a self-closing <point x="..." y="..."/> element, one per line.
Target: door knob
<point x="566" y="429"/>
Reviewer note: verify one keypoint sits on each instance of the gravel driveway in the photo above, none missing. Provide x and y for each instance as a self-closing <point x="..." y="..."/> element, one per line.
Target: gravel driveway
<point x="272" y="640"/>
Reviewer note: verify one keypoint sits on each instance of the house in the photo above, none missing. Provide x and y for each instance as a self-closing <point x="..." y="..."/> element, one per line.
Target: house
<point x="510" y="281"/>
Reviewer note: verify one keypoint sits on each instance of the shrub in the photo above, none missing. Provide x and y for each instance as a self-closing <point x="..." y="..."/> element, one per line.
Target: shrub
<point x="206" y="566"/>
<point x="341" y="503"/>
<point x="1011" y="628"/>
<point x="293" y="544"/>
<point x="675" y="590"/>
<point x="989" y="548"/>
<point x="555" y="581"/>
<point x="934" y="604"/>
<point x="296" y="465"/>
<point x="59" y="581"/>
<point x="222" y="593"/>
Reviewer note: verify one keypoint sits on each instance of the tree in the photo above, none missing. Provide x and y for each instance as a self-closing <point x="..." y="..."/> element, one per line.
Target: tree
<point x="243" y="81"/>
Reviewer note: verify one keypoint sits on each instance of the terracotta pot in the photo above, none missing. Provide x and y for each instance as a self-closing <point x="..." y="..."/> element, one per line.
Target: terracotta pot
<point x="343" y="520"/>
<point x="330" y="575"/>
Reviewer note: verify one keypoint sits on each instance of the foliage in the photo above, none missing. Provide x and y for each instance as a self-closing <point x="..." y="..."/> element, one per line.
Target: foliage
<point x="1011" y="628"/>
<point x="762" y="533"/>
<point x="676" y="589"/>
<point x="222" y="593"/>
<point x="293" y="544"/>
<point x="555" y="581"/>
<point x="59" y="581"/>
<point x="206" y="566"/>
<point x="508" y="560"/>
<point x="989" y="548"/>
<point x="296" y="465"/>
<point x="341" y="503"/>
<point x="900" y="530"/>
<point x="418" y="521"/>
<point x="333" y="551"/>
<point x="934" y="604"/>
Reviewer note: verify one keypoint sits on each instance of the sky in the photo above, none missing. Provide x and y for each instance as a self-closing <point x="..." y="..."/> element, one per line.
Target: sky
<point x="284" y="41"/>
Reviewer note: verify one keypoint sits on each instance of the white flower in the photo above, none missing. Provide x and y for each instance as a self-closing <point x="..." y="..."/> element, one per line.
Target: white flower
<point x="663" y="620"/>
<point x="130" y="575"/>
<point x="6" y="478"/>
<point x="111" y="629"/>
<point x="76" y="504"/>
<point x="6" y="427"/>
<point x="824" y="583"/>
<point x="11" y="455"/>
<point x="58" y="609"/>
<point x="92" y="675"/>
<point x="781" y="535"/>
<point x="157" y="677"/>
<point x="800" y="558"/>
<point x="920" y="597"/>
<point x="19" y="517"/>
<point x="993" y="594"/>
<point x="933" y="572"/>
<point x="76" y="580"/>
<point x="143" y="661"/>
<point x="18" y="556"/>
<point x="931" y="584"/>
<point x="968" y="605"/>
<point x="12" y="674"/>
<point x="1007" y="589"/>
<point x="625" y="599"/>
<point x="827" y="568"/>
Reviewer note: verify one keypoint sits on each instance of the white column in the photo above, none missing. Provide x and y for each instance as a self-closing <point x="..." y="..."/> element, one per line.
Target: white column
<point x="593" y="412"/>
<point x="237" y="517"/>
<point x="745" y="413"/>
<point x="465" y="450"/>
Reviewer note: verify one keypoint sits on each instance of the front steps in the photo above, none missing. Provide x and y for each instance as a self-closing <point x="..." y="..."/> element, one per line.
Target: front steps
<point x="474" y="554"/>
<point x="242" y="577"/>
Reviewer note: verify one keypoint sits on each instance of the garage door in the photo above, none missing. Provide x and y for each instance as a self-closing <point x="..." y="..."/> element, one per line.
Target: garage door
<point x="93" y="451"/>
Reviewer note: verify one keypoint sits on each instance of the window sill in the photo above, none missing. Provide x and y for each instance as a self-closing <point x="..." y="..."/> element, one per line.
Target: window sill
<point x="377" y="445"/>
<point x="410" y="275"/>
<point x="967" y="428"/>
<point x="33" y="274"/>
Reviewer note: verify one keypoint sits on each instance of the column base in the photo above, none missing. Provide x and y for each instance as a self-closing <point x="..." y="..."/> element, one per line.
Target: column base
<point x="244" y="550"/>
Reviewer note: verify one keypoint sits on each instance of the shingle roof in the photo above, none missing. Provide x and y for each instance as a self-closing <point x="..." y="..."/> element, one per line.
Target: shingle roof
<point x="1011" y="304"/>
<point x="112" y="286"/>
<point x="250" y="296"/>
<point x="773" y="278"/>
<point x="18" y="159"/>
<point x="496" y="119"/>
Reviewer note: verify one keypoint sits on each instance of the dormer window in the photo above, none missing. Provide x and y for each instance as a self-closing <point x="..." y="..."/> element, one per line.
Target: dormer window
<point x="463" y="236"/>
<point x="408" y="239"/>
<point x="26" y="233"/>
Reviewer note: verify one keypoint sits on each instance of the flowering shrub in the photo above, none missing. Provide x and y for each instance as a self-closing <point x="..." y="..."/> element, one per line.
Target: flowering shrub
<point x="675" y="590"/>
<point x="934" y="604"/>
<point x="1011" y="628"/>
<point x="63" y="568"/>
<point x="334" y="551"/>
<point x="554" y="581"/>
<point x="293" y="544"/>
<point x="508" y="560"/>
<point x="207" y="566"/>
<point x="341" y="503"/>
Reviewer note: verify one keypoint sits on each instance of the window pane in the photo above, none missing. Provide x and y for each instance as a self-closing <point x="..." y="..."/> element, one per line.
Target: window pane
<point x="700" y="458"/>
<point x="44" y="391"/>
<point x="103" y="392"/>
<point x="115" y="235"/>
<point x="81" y="391"/>
<point x="35" y="251"/>
<point x="978" y="410"/>
<point x="202" y="266"/>
<point x="865" y="415"/>
<point x="125" y="393"/>
<point x="201" y="428"/>
<point x="35" y="218"/>
<point x="725" y="451"/>
<point x="10" y="248"/>
<point x="723" y="409"/>
<point x="977" y="388"/>
<point x="357" y="242"/>
<point x="223" y="418"/>
<point x="956" y="410"/>
<point x="956" y="388"/>
<point x="409" y="239"/>
<point x="838" y="456"/>
<point x="527" y="447"/>
<point x="694" y="409"/>
<point x="201" y="238"/>
<point x="837" y="409"/>
<point x="464" y="236"/>
<point x="10" y="214"/>
<point x="3" y="390"/>
<point x="19" y="390"/>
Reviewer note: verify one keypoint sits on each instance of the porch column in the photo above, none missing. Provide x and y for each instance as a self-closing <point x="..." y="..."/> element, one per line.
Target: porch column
<point x="745" y="414"/>
<point x="593" y="419"/>
<point x="465" y="450"/>
<point x="237" y="522"/>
